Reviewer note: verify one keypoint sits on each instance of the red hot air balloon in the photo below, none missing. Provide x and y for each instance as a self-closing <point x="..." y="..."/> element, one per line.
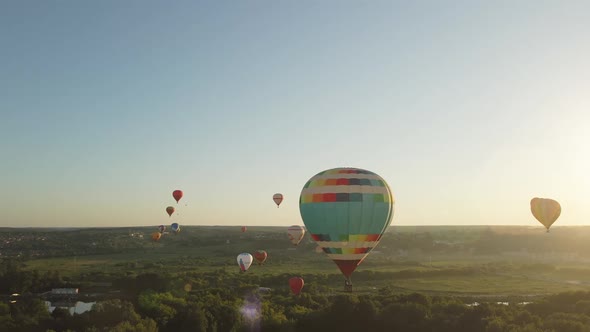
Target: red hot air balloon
<point x="244" y="228"/>
<point x="278" y="198"/>
<point x="260" y="256"/>
<point x="296" y="284"/>
<point x="177" y="194"/>
<point x="170" y="210"/>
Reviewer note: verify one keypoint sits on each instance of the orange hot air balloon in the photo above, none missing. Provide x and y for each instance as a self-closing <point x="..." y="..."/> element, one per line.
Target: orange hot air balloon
<point x="156" y="236"/>
<point x="170" y="210"/>
<point x="545" y="210"/>
<point x="296" y="284"/>
<point x="278" y="198"/>
<point x="260" y="256"/>
<point x="177" y="194"/>
<point x="244" y="228"/>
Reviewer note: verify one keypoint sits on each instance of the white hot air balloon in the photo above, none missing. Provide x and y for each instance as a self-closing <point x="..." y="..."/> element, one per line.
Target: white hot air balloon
<point x="244" y="261"/>
<point x="296" y="234"/>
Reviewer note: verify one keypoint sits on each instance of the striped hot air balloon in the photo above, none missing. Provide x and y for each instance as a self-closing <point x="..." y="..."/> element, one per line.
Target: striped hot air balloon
<point x="346" y="211"/>
<point x="170" y="210"/>
<point x="278" y="198"/>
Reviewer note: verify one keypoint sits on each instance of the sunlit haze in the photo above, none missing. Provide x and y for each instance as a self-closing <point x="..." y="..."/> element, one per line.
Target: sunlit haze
<point x="467" y="109"/>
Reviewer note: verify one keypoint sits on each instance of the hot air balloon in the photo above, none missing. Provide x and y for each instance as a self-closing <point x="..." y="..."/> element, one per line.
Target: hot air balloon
<point x="244" y="228"/>
<point x="278" y="198"/>
<point x="346" y="211"/>
<point x="161" y="228"/>
<point x="156" y="236"/>
<point x="296" y="284"/>
<point x="295" y="234"/>
<point x="545" y="210"/>
<point x="244" y="261"/>
<point x="175" y="227"/>
<point x="177" y="194"/>
<point x="260" y="256"/>
<point x="170" y="210"/>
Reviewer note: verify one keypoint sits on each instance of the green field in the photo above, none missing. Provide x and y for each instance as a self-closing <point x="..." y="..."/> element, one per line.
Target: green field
<point x="464" y="261"/>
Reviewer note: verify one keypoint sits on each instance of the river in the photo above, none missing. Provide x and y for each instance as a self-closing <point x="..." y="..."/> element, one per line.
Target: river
<point x="74" y="307"/>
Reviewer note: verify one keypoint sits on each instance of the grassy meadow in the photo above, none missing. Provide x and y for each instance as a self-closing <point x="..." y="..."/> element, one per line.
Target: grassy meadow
<point x="471" y="261"/>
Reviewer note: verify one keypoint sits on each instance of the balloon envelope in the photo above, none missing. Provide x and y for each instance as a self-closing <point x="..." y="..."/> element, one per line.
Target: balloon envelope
<point x="260" y="256"/>
<point x="175" y="227"/>
<point x="244" y="228"/>
<point x="170" y="210"/>
<point x="278" y="198"/>
<point x="346" y="211"/>
<point x="161" y="228"/>
<point x="295" y="234"/>
<point x="545" y="210"/>
<point x="177" y="194"/>
<point x="296" y="284"/>
<point x="244" y="261"/>
<point x="156" y="236"/>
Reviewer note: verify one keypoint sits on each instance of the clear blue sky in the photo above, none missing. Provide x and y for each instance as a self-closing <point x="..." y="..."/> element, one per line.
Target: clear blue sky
<point x="468" y="109"/>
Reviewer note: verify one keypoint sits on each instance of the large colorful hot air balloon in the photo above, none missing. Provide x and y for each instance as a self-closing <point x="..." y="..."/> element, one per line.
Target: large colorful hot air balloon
<point x="260" y="256"/>
<point x="156" y="236"/>
<point x="170" y="210"/>
<point x="244" y="228"/>
<point x="346" y="211"/>
<point x="175" y="227"/>
<point x="161" y="228"/>
<point x="295" y="234"/>
<point x="177" y="194"/>
<point x="296" y="284"/>
<point x="545" y="210"/>
<point x="244" y="261"/>
<point x="278" y="198"/>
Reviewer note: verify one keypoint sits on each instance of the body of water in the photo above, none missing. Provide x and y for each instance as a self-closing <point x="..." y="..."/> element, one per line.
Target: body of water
<point x="74" y="307"/>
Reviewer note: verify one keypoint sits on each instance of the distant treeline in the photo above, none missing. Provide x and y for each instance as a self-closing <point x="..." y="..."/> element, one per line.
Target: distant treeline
<point x="30" y="244"/>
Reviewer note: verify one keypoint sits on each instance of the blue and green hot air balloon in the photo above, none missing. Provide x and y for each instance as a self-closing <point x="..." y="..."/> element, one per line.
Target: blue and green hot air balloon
<point x="346" y="211"/>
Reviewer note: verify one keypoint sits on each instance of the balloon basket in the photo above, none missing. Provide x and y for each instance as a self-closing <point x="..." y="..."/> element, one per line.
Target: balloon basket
<point x="347" y="286"/>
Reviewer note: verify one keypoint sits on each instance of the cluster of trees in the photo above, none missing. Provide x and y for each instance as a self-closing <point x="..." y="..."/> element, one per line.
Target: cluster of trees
<point x="222" y="301"/>
<point x="218" y="309"/>
<point x="111" y="315"/>
<point x="14" y="279"/>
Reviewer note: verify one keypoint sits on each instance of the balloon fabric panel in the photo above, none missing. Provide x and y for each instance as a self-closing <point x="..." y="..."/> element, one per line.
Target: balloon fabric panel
<point x="346" y="210"/>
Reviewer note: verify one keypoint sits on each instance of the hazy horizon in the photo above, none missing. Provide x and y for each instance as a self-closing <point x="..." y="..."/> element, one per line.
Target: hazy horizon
<point x="467" y="109"/>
